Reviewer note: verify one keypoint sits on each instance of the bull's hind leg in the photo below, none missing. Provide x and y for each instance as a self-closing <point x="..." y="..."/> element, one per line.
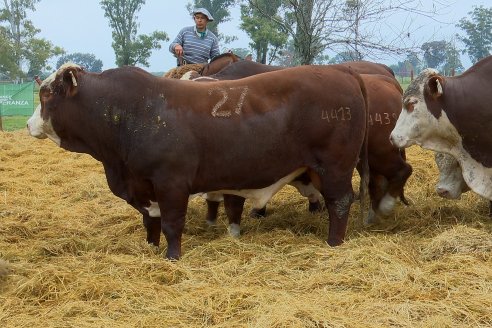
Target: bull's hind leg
<point x="396" y="183"/>
<point x="212" y="212"/>
<point x="395" y="186"/>
<point x="234" y="209"/>
<point x="378" y="186"/>
<point x="153" y="227"/>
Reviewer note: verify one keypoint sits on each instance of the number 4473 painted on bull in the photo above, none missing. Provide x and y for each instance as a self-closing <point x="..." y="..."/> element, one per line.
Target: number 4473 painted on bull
<point x="340" y="114"/>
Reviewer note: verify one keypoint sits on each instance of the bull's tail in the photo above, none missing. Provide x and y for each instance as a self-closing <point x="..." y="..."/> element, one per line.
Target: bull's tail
<point x="363" y="165"/>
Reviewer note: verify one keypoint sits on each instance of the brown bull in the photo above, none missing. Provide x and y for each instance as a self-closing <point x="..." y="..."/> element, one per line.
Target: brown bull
<point x="388" y="167"/>
<point x="161" y="140"/>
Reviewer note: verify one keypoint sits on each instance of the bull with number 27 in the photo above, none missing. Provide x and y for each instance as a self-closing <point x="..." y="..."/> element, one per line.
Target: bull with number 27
<point x="161" y="140"/>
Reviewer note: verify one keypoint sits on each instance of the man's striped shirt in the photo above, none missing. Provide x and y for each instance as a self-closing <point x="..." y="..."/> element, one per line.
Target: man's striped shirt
<point x="197" y="50"/>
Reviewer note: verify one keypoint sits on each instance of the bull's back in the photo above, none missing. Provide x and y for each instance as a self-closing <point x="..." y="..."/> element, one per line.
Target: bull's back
<point x="276" y="122"/>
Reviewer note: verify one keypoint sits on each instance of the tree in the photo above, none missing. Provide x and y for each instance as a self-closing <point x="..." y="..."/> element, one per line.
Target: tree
<point x="8" y="62"/>
<point x="452" y="63"/>
<point x="478" y="41"/>
<point x="411" y="63"/>
<point x="88" y="61"/>
<point x="130" y="48"/>
<point x="219" y="9"/>
<point x="345" y="25"/>
<point x="267" y="38"/>
<point x="434" y="53"/>
<point x="345" y="56"/>
<point x="18" y="36"/>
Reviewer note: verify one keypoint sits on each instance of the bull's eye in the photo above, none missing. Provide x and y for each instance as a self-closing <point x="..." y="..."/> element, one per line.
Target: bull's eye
<point x="409" y="105"/>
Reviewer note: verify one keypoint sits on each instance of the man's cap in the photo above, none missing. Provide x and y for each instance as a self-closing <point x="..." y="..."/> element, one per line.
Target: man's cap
<point x="204" y="12"/>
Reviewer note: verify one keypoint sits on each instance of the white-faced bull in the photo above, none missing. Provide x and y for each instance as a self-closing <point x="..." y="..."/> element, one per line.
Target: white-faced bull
<point x="161" y="140"/>
<point x="452" y="115"/>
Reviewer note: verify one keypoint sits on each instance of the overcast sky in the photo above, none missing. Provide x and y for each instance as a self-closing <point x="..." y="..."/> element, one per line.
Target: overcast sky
<point x="80" y="26"/>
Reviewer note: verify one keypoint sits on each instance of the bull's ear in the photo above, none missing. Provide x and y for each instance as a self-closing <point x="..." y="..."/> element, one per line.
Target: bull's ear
<point x="435" y="85"/>
<point x="70" y="81"/>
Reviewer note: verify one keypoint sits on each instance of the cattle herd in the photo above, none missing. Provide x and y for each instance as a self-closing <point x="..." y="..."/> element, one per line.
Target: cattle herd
<point x="250" y="129"/>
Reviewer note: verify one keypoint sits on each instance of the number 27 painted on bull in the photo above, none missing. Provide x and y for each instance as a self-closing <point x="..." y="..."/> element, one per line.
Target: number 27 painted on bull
<point x="225" y="96"/>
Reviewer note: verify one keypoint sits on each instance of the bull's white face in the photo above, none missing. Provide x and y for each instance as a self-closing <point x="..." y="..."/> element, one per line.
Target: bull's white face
<point x="451" y="183"/>
<point x="417" y="125"/>
<point x="40" y="128"/>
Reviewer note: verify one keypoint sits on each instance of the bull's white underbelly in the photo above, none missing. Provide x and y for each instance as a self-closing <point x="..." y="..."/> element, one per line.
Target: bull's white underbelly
<point x="258" y="197"/>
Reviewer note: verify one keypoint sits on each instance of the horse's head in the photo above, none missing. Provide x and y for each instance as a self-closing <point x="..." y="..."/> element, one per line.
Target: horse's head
<point x="218" y="63"/>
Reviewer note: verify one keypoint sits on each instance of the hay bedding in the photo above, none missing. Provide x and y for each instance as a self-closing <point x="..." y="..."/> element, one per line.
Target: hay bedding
<point x="74" y="255"/>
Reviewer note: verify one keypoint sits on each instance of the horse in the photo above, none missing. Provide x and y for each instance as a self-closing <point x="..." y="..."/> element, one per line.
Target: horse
<point x="216" y="64"/>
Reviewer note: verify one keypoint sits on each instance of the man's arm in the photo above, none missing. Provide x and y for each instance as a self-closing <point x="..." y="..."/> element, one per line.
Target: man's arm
<point x="178" y="40"/>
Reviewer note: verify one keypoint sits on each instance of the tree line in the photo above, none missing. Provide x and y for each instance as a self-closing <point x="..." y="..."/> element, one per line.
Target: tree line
<point x="282" y="32"/>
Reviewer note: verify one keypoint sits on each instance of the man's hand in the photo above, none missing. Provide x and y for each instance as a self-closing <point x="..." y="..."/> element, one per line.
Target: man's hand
<point x="178" y="50"/>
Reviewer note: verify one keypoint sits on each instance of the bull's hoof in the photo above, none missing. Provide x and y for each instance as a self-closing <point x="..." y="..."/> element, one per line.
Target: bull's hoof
<point x="333" y="242"/>
<point x="371" y="219"/>
<point x="234" y="230"/>
<point x="257" y="213"/>
<point x="211" y="224"/>
<point x="172" y="256"/>
<point x="315" y="207"/>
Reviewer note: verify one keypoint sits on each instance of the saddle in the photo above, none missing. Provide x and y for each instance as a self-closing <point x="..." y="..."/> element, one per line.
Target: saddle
<point x="178" y="72"/>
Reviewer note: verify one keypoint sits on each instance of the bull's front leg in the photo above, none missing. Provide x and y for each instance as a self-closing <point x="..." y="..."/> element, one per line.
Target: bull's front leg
<point x="173" y="211"/>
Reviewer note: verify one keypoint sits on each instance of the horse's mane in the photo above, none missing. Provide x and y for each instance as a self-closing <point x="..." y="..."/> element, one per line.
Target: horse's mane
<point x="225" y="54"/>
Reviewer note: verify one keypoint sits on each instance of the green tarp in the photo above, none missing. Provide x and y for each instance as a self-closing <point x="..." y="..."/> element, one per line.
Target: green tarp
<point x="16" y="99"/>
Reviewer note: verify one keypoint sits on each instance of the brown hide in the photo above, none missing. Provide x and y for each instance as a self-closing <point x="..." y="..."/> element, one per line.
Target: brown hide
<point x="246" y="68"/>
<point x="388" y="167"/>
<point x="466" y="100"/>
<point x="162" y="139"/>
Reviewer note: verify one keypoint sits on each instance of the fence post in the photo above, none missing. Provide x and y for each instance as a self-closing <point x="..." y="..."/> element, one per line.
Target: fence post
<point x="411" y="74"/>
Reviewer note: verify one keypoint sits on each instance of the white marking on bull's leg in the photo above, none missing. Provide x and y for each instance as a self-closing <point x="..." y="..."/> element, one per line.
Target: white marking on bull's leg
<point x="154" y="210"/>
<point x="387" y="204"/>
<point x="234" y="230"/>
<point x="342" y="205"/>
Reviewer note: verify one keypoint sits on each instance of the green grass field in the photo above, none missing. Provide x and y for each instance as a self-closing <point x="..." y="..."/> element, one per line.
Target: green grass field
<point x="12" y="123"/>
